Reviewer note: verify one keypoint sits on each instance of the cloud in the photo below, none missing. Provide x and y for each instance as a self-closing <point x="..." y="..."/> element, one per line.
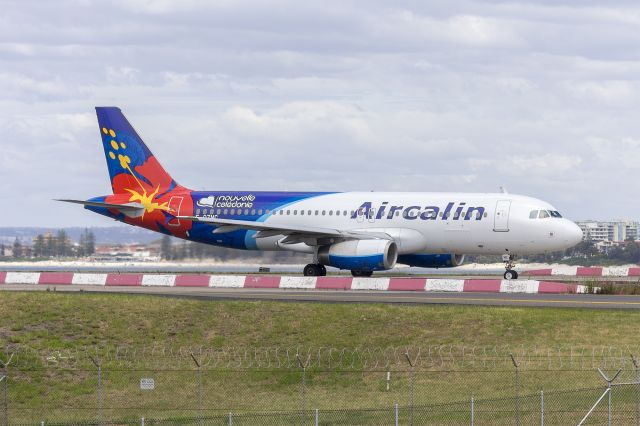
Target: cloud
<point x="461" y="95"/>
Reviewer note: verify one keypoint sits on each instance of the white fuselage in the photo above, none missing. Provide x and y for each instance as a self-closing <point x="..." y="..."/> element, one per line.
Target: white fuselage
<point x="464" y="223"/>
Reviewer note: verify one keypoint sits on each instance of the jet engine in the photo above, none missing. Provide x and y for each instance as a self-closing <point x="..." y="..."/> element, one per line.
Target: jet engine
<point x="364" y="255"/>
<point x="432" y="260"/>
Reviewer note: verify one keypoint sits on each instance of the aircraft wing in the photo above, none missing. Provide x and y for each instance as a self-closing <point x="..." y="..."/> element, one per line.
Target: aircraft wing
<point x="269" y="229"/>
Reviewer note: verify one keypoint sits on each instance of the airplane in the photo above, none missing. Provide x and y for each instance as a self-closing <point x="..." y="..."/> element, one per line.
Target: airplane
<point x="358" y="231"/>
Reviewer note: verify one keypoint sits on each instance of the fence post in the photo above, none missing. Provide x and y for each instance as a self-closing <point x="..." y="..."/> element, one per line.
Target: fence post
<point x="517" y="384"/>
<point x="317" y="416"/>
<point x="199" y="376"/>
<point x="230" y="419"/>
<point x="472" y="412"/>
<point x="303" y="390"/>
<point x="411" y="388"/>
<point x="609" y="381"/>
<point x="541" y="408"/>
<point x="4" y="379"/>
<point x="96" y="362"/>
<point x="397" y="414"/>
<point x="635" y="366"/>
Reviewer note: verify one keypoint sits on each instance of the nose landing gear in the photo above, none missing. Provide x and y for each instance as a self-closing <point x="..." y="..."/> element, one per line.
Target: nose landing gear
<point x="509" y="264"/>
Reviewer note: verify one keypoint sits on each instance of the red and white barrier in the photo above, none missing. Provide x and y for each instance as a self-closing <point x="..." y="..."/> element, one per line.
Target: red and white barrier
<point x="583" y="271"/>
<point x="290" y="282"/>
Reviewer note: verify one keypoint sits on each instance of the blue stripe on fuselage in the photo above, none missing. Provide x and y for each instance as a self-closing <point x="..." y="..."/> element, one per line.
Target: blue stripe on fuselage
<point x="210" y="201"/>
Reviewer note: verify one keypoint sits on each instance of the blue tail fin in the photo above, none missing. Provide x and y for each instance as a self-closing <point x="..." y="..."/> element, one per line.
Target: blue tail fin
<point x="131" y="164"/>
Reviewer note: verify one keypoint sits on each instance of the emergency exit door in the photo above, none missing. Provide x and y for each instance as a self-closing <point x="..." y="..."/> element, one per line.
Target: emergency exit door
<point x="501" y="217"/>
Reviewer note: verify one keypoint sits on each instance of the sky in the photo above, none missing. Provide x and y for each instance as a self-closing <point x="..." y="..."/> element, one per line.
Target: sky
<point x="541" y="97"/>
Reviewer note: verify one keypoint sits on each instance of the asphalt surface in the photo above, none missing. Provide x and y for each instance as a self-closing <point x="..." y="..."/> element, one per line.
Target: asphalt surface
<point x="588" y="301"/>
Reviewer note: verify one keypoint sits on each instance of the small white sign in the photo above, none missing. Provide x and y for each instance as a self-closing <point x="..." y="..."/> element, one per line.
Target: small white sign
<point x="147" y="384"/>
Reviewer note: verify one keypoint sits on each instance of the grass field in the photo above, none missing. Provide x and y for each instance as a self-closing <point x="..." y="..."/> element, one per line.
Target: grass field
<point x="49" y="321"/>
<point x="56" y="320"/>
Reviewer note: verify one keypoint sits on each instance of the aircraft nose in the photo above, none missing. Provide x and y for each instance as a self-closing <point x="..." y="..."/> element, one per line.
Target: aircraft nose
<point x="573" y="233"/>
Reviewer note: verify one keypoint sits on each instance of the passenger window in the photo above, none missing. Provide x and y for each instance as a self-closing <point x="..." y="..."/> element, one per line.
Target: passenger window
<point x="323" y="212"/>
<point x="302" y="212"/>
<point x="337" y="212"/>
<point x="543" y="214"/>
<point x="226" y="211"/>
<point x="316" y="213"/>
<point x="260" y="211"/>
<point x="345" y="213"/>
<point x="197" y="212"/>
<point x="309" y="212"/>
<point x="330" y="212"/>
<point x="233" y="212"/>
<point x="533" y="214"/>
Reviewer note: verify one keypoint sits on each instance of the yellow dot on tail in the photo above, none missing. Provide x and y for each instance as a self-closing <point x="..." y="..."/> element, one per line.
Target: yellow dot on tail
<point x="112" y="155"/>
<point x="122" y="145"/>
<point x="104" y="130"/>
<point x="114" y="145"/>
<point x="112" y="133"/>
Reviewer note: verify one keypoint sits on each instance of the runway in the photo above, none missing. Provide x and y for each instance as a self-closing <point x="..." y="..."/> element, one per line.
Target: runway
<point x="587" y="301"/>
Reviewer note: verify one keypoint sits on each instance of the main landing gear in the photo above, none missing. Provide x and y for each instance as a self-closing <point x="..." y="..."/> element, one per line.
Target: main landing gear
<point x="360" y="273"/>
<point x="509" y="264"/>
<point x="314" y="270"/>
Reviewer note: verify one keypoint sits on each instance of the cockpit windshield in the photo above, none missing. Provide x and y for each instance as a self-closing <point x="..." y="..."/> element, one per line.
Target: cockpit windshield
<point x="543" y="214"/>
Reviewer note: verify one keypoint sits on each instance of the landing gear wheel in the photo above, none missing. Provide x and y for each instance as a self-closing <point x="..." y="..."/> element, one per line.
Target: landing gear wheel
<point x="360" y="273"/>
<point x="510" y="274"/>
<point x="314" y="270"/>
<point x="509" y="264"/>
<point x="323" y="270"/>
<point x="311" y="270"/>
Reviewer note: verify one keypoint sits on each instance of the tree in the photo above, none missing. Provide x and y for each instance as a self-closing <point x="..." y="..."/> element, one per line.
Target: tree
<point x="2" y="250"/>
<point x="38" y="246"/>
<point x="17" y="248"/>
<point x="165" y="247"/>
<point x="62" y="243"/>
<point x="90" y="243"/>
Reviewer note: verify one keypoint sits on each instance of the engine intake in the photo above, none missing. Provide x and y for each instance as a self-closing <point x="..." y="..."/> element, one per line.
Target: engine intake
<point x="432" y="260"/>
<point x="365" y="255"/>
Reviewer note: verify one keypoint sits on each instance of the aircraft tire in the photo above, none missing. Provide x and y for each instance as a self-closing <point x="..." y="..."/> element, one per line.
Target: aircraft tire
<point x="510" y="274"/>
<point x="313" y="270"/>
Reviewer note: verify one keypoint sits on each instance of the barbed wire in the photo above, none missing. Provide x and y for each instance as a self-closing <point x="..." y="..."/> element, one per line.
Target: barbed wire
<point x="431" y="357"/>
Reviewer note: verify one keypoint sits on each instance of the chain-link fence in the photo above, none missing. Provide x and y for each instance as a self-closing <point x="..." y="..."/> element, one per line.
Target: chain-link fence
<point x="187" y="390"/>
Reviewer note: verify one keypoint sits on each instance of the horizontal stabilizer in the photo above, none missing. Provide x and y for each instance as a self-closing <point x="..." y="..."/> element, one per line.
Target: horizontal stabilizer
<point x="130" y="209"/>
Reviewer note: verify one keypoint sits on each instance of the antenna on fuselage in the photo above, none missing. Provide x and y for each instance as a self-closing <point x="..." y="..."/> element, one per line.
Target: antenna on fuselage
<point x="503" y="190"/>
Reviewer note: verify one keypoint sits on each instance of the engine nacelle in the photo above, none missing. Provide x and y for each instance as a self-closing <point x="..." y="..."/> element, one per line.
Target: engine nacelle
<point x="363" y="255"/>
<point x="432" y="260"/>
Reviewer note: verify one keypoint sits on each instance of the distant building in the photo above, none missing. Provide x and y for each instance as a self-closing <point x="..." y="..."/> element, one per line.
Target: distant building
<point x="606" y="234"/>
<point x="125" y="253"/>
